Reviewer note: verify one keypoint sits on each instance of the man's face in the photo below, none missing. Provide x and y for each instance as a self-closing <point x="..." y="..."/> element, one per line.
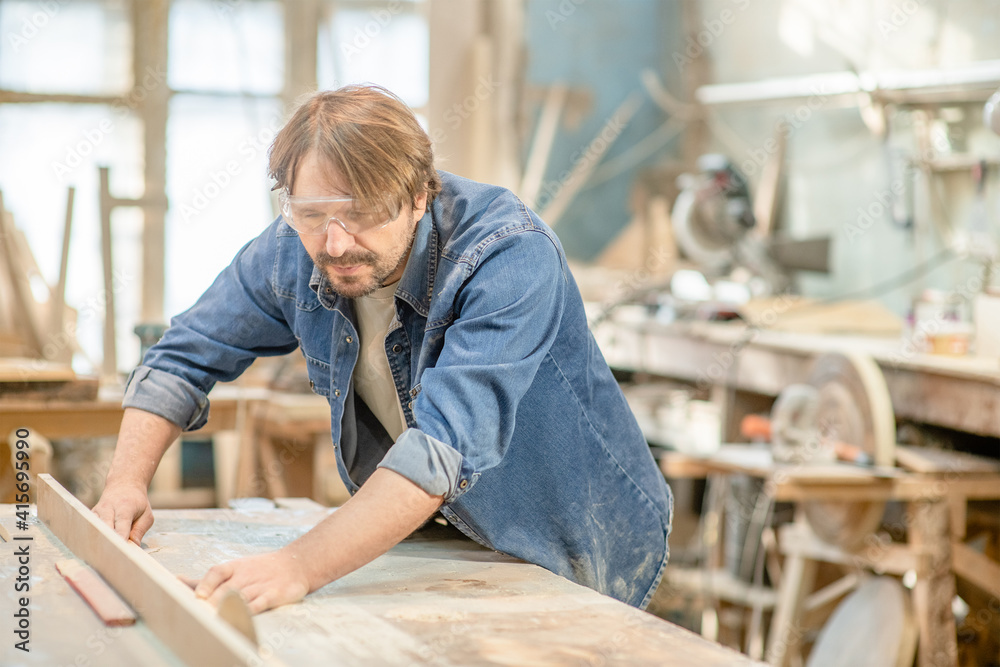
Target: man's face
<point x="356" y="265"/>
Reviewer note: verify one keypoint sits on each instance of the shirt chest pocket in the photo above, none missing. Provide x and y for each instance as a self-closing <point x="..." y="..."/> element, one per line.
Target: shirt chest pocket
<point x="319" y="376"/>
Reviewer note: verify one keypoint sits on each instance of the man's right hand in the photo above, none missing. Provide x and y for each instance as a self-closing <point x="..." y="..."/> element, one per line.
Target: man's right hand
<point x="126" y="509"/>
<point x="124" y="504"/>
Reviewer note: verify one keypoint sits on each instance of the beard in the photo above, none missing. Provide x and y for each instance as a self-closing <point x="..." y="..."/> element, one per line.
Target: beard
<point x="375" y="269"/>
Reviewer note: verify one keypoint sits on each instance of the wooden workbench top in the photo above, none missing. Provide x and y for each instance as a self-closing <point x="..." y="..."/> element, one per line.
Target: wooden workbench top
<point x="431" y="600"/>
<point x="961" y="393"/>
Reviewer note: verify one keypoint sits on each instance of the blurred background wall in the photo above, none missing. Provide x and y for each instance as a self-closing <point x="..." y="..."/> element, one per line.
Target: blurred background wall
<point x="561" y="100"/>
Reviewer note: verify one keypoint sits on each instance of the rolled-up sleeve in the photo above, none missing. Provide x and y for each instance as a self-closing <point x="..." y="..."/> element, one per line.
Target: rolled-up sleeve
<point x="507" y="316"/>
<point x="168" y="396"/>
<point x="434" y="466"/>
<point x="235" y="321"/>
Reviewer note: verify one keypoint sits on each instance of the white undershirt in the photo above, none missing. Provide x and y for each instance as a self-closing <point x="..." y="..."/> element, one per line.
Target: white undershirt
<point x="376" y="315"/>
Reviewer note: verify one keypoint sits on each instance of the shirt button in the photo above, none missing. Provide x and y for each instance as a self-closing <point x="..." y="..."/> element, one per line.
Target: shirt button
<point x="334" y="445"/>
<point x="329" y="290"/>
<point x="336" y="392"/>
<point x="312" y="385"/>
<point x="349" y="339"/>
<point x="397" y="348"/>
<point x="464" y="483"/>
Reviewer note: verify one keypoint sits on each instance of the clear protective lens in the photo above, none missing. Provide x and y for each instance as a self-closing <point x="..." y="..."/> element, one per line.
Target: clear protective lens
<point x="311" y="215"/>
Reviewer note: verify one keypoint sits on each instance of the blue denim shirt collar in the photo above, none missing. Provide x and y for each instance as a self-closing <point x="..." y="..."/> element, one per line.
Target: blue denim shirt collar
<point x="417" y="283"/>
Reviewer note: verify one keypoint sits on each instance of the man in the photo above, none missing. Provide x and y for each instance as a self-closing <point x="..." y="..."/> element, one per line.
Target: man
<point x="439" y="318"/>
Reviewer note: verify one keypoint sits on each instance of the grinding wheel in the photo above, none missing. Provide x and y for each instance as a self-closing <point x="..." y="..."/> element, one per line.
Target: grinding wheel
<point x="874" y="625"/>
<point x="855" y="408"/>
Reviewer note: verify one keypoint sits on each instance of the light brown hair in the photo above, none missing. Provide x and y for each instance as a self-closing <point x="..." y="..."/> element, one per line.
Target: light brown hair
<point x="370" y="137"/>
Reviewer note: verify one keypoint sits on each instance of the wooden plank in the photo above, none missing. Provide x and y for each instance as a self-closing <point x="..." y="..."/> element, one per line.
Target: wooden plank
<point x="64" y="630"/>
<point x="432" y="599"/>
<point x="84" y="419"/>
<point x="303" y="504"/>
<point x="80" y="389"/>
<point x="797" y="579"/>
<point x="188" y="626"/>
<point x="34" y="370"/>
<point x="928" y="460"/>
<point x="24" y="310"/>
<point x="449" y="56"/>
<point x="799" y="540"/>
<point x="150" y="55"/>
<point x="57" y="316"/>
<point x="720" y="584"/>
<point x="935" y="587"/>
<point x="582" y="170"/>
<point x="109" y="365"/>
<point x="976" y="568"/>
<point x="959" y="393"/>
<point x="541" y="145"/>
<point x="107" y="604"/>
<point x="911" y="487"/>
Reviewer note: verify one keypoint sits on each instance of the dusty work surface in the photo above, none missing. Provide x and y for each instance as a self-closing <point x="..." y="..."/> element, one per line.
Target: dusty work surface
<point x="431" y="600"/>
<point x="64" y="631"/>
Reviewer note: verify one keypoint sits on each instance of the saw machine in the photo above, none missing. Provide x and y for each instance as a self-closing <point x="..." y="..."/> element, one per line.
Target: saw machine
<point x="845" y="412"/>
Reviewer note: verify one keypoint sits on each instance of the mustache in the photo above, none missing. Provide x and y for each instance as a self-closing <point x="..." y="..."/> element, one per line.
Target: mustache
<point x="350" y="258"/>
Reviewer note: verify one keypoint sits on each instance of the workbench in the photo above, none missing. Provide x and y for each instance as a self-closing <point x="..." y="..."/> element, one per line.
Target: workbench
<point x="433" y="599"/>
<point x="249" y="425"/>
<point x="934" y="524"/>
<point x="103" y="415"/>
<point x="962" y="393"/>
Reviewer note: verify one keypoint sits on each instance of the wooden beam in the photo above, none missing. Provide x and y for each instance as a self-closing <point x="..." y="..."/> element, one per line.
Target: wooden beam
<point x="541" y="145"/>
<point x="21" y="97"/>
<point x="301" y="50"/>
<point x="185" y="624"/>
<point x="58" y="297"/>
<point x="976" y="568"/>
<point x="582" y="170"/>
<point x="453" y="26"/>
<point x="935" y="588"/>
<point x="151" y="23"/>
<point x="24" y="311"/>
<point x="109" y="364"/>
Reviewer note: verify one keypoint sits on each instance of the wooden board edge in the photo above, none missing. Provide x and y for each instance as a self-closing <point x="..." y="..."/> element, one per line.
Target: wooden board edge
<point x="976" y="568"/>
<point x="185" y="624"/>
<point x="929" y="460"/>
<point x="302" y="504"/>
<point x="101" y="598"/>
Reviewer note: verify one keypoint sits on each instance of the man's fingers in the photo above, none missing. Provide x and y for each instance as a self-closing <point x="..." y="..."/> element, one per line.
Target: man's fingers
<point x="213" y="579"/>
<point x="259" y="598"/>
<point x="139" y="528"/>
<point x="123" y="524"/>
<point x="258" y="603"/>
<point x="188" y="581"/>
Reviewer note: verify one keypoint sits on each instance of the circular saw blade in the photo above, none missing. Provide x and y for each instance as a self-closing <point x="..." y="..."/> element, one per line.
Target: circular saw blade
<point x="855" y="408"/>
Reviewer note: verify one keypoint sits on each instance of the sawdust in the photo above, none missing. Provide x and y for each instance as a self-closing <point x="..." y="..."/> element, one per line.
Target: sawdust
<point x="426" y="614"/>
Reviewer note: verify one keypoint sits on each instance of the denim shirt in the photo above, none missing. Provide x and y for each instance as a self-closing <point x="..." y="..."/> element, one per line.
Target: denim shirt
<point x="512" y="413"/>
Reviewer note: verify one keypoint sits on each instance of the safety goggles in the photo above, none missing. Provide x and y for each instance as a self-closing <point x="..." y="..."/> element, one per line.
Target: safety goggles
<point x="313" y="215"/>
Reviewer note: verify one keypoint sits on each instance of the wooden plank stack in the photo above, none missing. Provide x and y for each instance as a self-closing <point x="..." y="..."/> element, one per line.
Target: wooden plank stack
<point x="36" y="343"/>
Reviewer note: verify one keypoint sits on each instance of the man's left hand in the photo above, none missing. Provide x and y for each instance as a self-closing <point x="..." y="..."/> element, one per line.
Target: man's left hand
<point x="265" y="581"/>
